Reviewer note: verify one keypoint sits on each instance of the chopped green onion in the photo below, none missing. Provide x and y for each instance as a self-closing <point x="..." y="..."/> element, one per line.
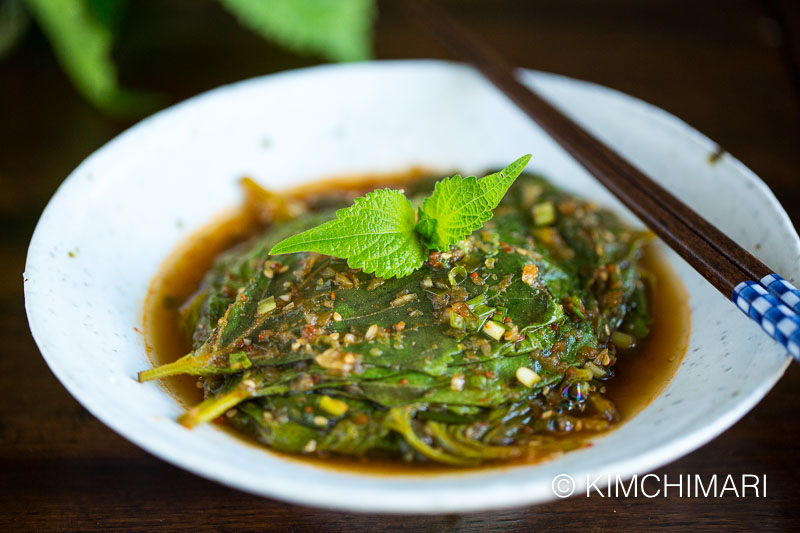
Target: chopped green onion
<point x="457" y="321"/>
<point x="575" y="374"/>
<point x="500" y="314"/>
<point x="333" y="406"/>
<point x="471" y="263"/>
<point x="239" y="361"/>
<point x="266" y="305"/>
<point x="622" y="340"/>
<point x="479" y="308"/>
<point x="436" y="291"/>
<point x="494" y="330"/>
<point x="527" y="377"/>
<point x="544" y="214"/>
<point x="546" y="236"/>
<point x="477" y="315"/>
<point x="577" y="305"/>
<point x="457" y="275"/>
<point x="596" y="370"/>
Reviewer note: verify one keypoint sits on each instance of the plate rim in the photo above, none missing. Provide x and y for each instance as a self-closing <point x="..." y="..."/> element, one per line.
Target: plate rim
<point x="344" y="502"/>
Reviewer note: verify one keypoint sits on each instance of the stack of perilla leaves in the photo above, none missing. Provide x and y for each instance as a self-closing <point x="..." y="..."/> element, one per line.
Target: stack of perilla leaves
<point x="498" y="347"/>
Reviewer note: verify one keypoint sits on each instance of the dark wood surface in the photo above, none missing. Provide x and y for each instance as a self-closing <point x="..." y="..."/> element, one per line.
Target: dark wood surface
<point x="720" y="260"/>
<point x="728" y="67"/>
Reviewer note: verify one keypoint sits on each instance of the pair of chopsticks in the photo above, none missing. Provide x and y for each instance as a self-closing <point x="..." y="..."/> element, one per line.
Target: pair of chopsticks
<point x="761" y="294"/>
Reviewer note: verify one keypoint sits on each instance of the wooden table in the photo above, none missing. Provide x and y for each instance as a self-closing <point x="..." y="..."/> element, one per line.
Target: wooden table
<point x="720" y="65"/>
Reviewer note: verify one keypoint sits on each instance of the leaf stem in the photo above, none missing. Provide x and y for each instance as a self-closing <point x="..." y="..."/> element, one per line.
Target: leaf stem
<point x="399" y="419"/>
<point x="188" y="364"/>
<point x="215" y="406"/>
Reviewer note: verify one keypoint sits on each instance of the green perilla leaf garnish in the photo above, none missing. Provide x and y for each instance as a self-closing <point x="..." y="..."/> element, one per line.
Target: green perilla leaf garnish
<point x="459" y="206"/>
<point x="375" y="234"/>
<point x="381" y="233"/>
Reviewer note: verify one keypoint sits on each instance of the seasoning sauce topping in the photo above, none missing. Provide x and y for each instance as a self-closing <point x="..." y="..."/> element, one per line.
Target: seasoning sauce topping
<point x="641" y="372"/>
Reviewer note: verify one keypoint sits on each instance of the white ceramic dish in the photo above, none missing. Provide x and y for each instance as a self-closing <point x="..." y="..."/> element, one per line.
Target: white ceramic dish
<point x="126" y="207"/>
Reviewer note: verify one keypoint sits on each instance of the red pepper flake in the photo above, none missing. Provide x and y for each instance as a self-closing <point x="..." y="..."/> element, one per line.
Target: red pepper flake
<point x="404" y="381"/>
<point x="474" y="276"/>
<point x="333" y="296"/>
<point x="310" y="332"/>
<point x="362" y="419"/>
<point x="489" y="374"/>
<point x="308" y="409"/>
<point x="505" y="246"/>
<point x="460" y="308"/>
<point x="507" y="320"/>
<point x="434" y="259"/>
<point x="400" y="326"/>
<point x="554" y="327"/>
<point x="137" y="330"/>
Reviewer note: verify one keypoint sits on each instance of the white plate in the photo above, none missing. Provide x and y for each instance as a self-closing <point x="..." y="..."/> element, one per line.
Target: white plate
<point x="126" y="207"/>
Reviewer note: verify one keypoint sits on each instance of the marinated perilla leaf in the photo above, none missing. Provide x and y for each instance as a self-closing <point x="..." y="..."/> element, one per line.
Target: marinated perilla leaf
<point x="494" y="348"/>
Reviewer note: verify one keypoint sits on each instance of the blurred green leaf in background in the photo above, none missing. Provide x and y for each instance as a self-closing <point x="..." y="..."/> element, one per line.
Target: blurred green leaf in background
<point x="81" y="33"/>
<point x="13" y="24"/>
<point x="339" y="30"/>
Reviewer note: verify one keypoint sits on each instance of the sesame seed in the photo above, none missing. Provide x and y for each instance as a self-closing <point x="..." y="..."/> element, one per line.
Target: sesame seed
<point x="530" y="273"/>
<point x="402" y="300"/>
<point x="371" y="332"/>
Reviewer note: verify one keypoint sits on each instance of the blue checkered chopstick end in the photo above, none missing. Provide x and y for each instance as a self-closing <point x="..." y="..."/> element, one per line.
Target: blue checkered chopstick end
<point x="785" y="291"/>
<point x="778" y="320"/>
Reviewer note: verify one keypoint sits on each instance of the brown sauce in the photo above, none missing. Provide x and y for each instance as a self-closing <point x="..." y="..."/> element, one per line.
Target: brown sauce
<point x="642" y="372"/>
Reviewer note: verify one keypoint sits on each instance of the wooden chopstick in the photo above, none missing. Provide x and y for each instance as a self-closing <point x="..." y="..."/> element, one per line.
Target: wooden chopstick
<point x="725" y="264"/>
